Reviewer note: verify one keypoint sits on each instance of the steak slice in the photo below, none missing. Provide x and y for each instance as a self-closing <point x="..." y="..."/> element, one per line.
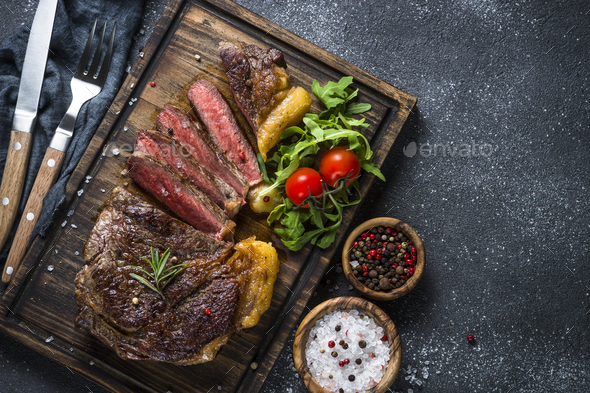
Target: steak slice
<point x="218" y="119"/>
<point x="193" y="137"/>
<point x="165" y="148"/>
<point x="174" y="190"/>
<point x="173" y="328"/>
<point x="257" y="79"/>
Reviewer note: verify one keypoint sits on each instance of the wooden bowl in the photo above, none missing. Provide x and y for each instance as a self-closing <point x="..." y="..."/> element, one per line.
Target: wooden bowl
<point x="347" y="303"/>
<point x="399" y="226"/>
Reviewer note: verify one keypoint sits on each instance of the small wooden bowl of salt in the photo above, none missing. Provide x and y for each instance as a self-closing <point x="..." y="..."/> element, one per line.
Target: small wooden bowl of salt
<point x="347" y="344"/>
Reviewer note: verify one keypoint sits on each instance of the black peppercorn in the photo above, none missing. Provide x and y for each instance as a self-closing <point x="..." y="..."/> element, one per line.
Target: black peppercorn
<point x="380" y="229"/>
<point x="351" y="377"/>
<point x="334" y="354"/>
<point x="337" y="328"/>
<point x="362" y="343"/>
<point x="358" y="361"/>
<point x="345" y="346"/>
<point x="341" y="342"/>
<point x="341" y="390"/>
<point x="373" y="230"/>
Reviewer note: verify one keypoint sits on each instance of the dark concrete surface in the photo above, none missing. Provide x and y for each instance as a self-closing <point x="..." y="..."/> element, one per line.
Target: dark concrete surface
<point x="506" y="228"/>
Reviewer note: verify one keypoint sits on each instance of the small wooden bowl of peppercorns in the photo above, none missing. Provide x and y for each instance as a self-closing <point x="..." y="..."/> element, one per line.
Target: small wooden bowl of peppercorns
<point x="383" y="258"/>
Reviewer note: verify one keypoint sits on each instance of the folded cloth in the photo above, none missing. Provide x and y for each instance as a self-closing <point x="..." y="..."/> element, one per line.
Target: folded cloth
<point x="73" y="21"/>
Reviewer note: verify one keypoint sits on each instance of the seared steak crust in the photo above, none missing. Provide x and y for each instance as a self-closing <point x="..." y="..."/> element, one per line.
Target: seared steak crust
<point x="257" y="78"/>
<point x="173" y="329"/>
<point x="218" y="119"/>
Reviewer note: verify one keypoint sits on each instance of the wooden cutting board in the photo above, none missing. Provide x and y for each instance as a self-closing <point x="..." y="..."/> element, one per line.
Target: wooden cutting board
<point x="40" y="304"/>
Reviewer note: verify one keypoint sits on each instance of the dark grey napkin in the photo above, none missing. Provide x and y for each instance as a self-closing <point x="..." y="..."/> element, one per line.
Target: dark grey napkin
<point x="73" y="21"/>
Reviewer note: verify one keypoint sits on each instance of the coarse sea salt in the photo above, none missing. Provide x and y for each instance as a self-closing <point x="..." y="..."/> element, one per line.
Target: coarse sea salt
<point x="354" y="328"/>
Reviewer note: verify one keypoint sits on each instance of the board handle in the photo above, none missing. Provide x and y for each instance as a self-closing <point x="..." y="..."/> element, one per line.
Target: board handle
<point x="13" y="180"/>
<point x="48" y="173"/>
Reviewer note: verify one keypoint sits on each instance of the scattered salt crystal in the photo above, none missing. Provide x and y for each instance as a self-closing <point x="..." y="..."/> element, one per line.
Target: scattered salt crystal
<point x="141" y="31"/>
<point x="63" y="224"/>
<point x="219" y="387"/>
<point x="56" y="251"/>
<point x="437" y="371"/>
<point x="120" y="111"/>
<point x="425" y="373"/>
<point x="427" y="362"/>
<point x="125" y="128"/>
<point x="70" y="213"/>
<point x="74" y="226"/>
<point x="88" y="177"/>
<point x="127" y="71"/>
<point x="410" y="390"/>
<point x="103" y="190"/>
<point x="80" y="192"/>
<point x="141" y="54"/>
<point x="116" y="151"/>
<point x="130" y="103"/>
<point x="50" y="268"/>
<point x="71" y="349"/>
<point x="92" y="363"/>
<point x="77" y="253"/>
<point x="49" y="339"/>
<point x="354" y="263"/>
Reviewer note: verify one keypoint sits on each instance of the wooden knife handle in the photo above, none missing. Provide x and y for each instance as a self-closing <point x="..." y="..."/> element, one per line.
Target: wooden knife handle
<point x="46" y="177"/>
<point x="13" y="180"/>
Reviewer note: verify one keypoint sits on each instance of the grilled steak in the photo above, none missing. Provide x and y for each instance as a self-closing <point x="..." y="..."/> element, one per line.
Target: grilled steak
<point x="174" y="328"/>
<point x="218" y="119"/>
<point x="193" y="137"/>
<point x="257" y="78"/>
<point x="175" y="191"/>
<point x="165" y="148"/>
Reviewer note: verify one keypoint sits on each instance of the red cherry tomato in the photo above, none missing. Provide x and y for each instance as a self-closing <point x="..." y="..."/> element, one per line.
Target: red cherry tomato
<point x="301" y="182"/>
<point x="338" y="163"/>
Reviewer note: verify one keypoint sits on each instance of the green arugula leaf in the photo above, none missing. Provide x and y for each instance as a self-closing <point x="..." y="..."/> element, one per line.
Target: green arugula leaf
<point x="354" y="108"/>
<point x="371" y="168"/>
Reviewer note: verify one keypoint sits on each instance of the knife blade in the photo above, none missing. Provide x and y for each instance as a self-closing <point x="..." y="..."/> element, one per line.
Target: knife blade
<point x="25" y="115"/>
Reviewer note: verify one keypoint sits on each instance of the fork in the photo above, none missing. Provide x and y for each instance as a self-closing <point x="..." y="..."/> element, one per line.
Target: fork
<point x="85" y="85"/>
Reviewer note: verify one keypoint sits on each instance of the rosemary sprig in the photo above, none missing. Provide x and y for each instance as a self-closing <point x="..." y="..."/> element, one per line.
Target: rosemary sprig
<point x="159" y="275"/>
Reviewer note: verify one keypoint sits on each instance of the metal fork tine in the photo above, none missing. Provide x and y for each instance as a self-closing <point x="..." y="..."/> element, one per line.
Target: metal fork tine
<point x="96" y="59"/>
<point x="104" y="68"/>
<point x="86" y="54"/>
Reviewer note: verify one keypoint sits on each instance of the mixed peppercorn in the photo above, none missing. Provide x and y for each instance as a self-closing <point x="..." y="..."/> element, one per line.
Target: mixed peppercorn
<point x="383" y="258"/>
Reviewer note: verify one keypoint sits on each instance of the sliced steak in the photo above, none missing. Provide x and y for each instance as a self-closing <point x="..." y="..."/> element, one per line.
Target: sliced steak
<point x="193" y="137"/>
<point x="257" y="78"/>
<point x="174" y="190"/>
<point x="165" y="148"/>
<point x="218" y="119"/>
<point x="173" y="328"/>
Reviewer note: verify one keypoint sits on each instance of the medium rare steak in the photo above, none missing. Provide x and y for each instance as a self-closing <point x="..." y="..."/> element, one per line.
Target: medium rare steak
<point x="218" y="119"/>
<point x="174" y="190"/>
<point x="257" y="78"/>
<point x="174" y="328"/>
<point x="193" y="137"/>
<point x="165" y="148"/>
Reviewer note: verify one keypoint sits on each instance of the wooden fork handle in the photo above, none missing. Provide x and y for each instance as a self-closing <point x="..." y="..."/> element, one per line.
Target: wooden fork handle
<point x="48" y="173"/>
<point x="13" y="180"/>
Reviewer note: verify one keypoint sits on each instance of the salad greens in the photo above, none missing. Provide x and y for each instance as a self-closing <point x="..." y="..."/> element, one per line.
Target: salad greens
<point x="333" y="127"/>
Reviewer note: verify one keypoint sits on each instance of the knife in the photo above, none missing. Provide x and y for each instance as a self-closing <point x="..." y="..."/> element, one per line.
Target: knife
<point x="25" y="115"/>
